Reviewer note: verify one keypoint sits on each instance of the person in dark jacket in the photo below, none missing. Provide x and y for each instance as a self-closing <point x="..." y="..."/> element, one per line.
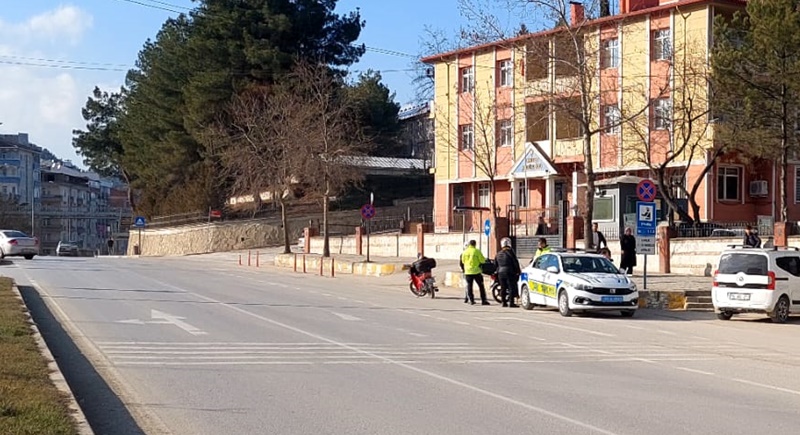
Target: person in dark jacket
<point x="751" y="239"/>
<point x="508" y="272"/>
<point x="628" y="244"/>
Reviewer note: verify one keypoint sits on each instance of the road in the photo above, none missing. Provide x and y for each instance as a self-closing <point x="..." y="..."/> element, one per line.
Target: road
<point x="197" y="345"/>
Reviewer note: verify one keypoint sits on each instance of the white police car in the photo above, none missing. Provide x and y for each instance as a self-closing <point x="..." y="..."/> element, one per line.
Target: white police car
<point x="577" y="281"/>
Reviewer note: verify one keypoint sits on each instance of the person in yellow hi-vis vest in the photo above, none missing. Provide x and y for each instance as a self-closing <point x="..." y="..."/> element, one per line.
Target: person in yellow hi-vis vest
<point x="471" y="260"/>
<point x="543" y="248"/>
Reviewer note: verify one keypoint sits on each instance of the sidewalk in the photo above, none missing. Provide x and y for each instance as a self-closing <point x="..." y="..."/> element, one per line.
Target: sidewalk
<point x="663" y="291"/>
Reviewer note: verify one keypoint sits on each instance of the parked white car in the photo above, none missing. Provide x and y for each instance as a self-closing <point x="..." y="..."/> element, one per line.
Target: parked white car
<point x="575" y="281"/>
<point x="15" y="243"/>
<point x="751" y="280"/>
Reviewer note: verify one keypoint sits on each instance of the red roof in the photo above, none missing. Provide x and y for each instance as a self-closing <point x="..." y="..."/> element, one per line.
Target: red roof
<point x="595" y="22"/>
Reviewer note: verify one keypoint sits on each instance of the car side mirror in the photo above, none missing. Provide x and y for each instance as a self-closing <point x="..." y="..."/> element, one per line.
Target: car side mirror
<point x="552" y="269"/>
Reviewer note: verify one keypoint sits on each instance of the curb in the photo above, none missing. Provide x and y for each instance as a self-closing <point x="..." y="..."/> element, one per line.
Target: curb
<point x="56" y="377"/>
<point x="315" y="263"/>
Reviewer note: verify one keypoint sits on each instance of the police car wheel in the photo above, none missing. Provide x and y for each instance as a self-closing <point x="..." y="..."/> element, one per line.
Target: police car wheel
<point x="563" y="304"/>
<point x="525" y="299"/>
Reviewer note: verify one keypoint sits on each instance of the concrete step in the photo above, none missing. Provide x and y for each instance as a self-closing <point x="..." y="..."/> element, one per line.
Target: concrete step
<point x="699" y="299"/>
<point x="691" y="293"/>
<point x="699" y="306"/>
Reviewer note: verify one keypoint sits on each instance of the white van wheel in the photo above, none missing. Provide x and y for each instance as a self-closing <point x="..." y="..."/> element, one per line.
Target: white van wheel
<point x="724" y="315"/>
<point x="780" y="314"/>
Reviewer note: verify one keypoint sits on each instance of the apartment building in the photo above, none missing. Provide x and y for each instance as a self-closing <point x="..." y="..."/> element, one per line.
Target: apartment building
<point x="505" y="119"/>
<point x="79" y="207"/>
<point x="19" y="169"/>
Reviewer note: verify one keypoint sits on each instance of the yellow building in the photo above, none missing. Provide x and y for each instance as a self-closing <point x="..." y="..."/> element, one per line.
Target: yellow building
<point x="510" y="117"/>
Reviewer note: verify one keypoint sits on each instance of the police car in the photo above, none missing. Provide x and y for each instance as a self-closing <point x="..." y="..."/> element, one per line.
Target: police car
<point x="577" y="282"/>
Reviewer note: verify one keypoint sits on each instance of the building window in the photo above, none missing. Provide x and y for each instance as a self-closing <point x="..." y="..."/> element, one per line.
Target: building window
<point x="797" y="184"/>
<point x="678" y="185"/>
<point x="603" y="208"/>
<point x="662" y="114"/>
<point x="728" y="183"/>
<point x="483" y="195"/>
<point x="459" y="198"/>
<point x="662" y="46"/>
<point x="611" y="119"/>
<point x="610" y="54"/>
<point x="505" y="133"/>
<point x="467" y="137"/>
<point x="505" y="72"/>
<point x="467" y="79"/>
<point x="522" y="194"/>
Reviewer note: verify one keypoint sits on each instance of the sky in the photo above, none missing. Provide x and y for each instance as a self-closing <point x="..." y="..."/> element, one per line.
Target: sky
<point x="53" y="53"/>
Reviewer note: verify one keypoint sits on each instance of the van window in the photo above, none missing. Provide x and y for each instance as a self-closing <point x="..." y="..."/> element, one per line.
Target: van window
<point x="789" y="264"/>
<point x="751" y="264"/>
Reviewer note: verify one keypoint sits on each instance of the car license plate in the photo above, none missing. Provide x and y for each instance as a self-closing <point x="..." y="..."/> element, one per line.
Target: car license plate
<point x="739" y="296"/>
<point x="611" y="299"/>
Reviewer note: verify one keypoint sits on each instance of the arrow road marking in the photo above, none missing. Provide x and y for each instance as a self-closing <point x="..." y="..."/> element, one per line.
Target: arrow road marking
<point x="162" y="318"/>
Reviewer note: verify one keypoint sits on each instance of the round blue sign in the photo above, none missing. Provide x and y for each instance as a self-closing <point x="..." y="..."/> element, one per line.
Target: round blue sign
<point x="646" y="191"/>
<point x="368" y="211"/>
<point x="487" y="227"/>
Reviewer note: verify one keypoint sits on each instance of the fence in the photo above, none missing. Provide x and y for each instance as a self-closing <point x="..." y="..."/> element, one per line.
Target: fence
<point x="721" y="229"/>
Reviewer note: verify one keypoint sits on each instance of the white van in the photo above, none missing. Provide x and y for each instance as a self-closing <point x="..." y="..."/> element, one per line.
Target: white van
<point x="757" y="280"/>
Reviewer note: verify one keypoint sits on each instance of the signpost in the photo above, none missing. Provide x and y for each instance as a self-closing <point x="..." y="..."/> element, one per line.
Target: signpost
<point x="367" y="213"/>
<point x="139" y="223"/>
<point x="646" y="220"/>
<point x="487" y="229"/>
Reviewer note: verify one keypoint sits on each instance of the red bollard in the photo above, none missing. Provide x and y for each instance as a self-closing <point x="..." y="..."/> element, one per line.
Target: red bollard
<point x="258" y="254"/>
<point x="304" y="263"/>
<point x="249" y="254"/>
<point x="332" y="268"/>
<point x="295" y="262"/>
<point x="240" y="259"/>
<point x="321" y="262"/>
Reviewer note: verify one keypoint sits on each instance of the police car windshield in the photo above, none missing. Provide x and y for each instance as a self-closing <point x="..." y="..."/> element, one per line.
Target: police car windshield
<point x="576" y="264"/>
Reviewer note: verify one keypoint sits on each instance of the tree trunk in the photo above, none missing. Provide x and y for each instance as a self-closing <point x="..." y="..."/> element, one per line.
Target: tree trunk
<point x="588" y="169"/>
<point x="326" y="244"/>
<point x="130" y="189"/>
<point x="784" y="194"/>
<point x="285" y="221"/>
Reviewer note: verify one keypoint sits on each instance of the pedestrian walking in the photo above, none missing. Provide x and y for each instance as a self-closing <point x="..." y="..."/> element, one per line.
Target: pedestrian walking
<point x="628" y="244"/>
<point x="751" y="239"/>
<point x="508" y="272"/>
<point x="598" y="238"/>
<point x="541" y="227"/>
<point x="471" y="260"/>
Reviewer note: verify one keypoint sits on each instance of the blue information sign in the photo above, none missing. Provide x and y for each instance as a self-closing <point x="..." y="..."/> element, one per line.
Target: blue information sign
<point x="645" y="218"/>
<point x="139" y="222"/>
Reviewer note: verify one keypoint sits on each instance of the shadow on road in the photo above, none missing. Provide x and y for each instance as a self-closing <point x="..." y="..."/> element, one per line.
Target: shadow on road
<point x="103" y="409"/>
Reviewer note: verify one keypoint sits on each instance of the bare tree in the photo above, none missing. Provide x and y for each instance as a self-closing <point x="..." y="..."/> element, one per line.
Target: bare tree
<point x="572" y="56"/>
<point x="686" y="123"/>
<point x="257" y="143"/>
<point x="332" y="140"/>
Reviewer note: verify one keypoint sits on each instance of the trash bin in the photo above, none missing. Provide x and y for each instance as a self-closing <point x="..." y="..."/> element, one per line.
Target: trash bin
<point x="136" y="250"/>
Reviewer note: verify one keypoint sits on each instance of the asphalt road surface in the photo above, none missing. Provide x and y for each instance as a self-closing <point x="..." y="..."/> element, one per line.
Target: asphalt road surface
<point x="197" y="345"/>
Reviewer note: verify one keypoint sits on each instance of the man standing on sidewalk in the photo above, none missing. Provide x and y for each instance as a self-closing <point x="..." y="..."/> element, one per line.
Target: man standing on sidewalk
<point x="508" y="272"/>
<point x="471" y="260"/>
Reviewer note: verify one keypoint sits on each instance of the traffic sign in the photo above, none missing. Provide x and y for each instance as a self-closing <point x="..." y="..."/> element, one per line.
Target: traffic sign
<point x="487" y="227"/>
<point x="646" y="191"/>
<point x="368" y="211"/>
<point x="646" y="245"/>
<point x="645" y="218"/>
<point x="139" y="222"/>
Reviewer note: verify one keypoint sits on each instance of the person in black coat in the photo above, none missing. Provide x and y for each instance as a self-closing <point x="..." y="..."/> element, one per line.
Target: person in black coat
<point x="508" y="272"/>
<point x="628" y="244"/>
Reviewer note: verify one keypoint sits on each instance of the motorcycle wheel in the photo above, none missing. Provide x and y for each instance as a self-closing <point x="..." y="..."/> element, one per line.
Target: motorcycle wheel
<point x="496" y="292"/>
<point x="418" y="293"/>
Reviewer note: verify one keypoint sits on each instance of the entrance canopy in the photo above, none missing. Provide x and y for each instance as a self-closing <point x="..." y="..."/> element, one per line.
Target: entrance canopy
<point x="533" y="164"/>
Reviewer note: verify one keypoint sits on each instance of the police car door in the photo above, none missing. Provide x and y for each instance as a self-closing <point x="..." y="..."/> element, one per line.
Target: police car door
<point x="550" y="279"/>
<point x="535" y="280"/>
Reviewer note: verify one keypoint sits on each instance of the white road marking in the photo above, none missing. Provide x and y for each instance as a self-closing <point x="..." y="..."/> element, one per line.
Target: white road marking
<point x="177" y="321"/>
<point x="510" y="333"/>
<point x="771" y="387"/>
<point x="556" y="325"/>
<point x="341" y="298"/>
<point x="417" y="334"/>
<point x="458" y="322"/>
<point x="687" y="369"/>
<point x="346" y="317"/>
<point x="404" y="365"/>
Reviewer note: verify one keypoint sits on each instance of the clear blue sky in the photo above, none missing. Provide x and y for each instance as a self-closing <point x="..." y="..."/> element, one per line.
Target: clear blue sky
<point x="45" y="100"/>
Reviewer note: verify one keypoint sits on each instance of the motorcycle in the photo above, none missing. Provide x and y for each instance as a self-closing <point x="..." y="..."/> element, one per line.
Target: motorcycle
<point x="496" y="289"/>
<point x="421" y="280"/>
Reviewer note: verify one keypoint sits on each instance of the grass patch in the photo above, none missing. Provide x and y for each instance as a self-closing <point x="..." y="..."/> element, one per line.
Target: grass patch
<point x="29" y="402"/>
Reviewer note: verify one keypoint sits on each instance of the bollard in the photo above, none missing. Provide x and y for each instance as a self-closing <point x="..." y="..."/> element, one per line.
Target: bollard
<point x="304" y="263"/>
<point x="249" y="254"/>
<point x="321" y="262"/>
<point x="295" y="262"/>
<point x="333" y="270"/>
<point x="240" y="259"/>
<point x="258" y="254"/>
